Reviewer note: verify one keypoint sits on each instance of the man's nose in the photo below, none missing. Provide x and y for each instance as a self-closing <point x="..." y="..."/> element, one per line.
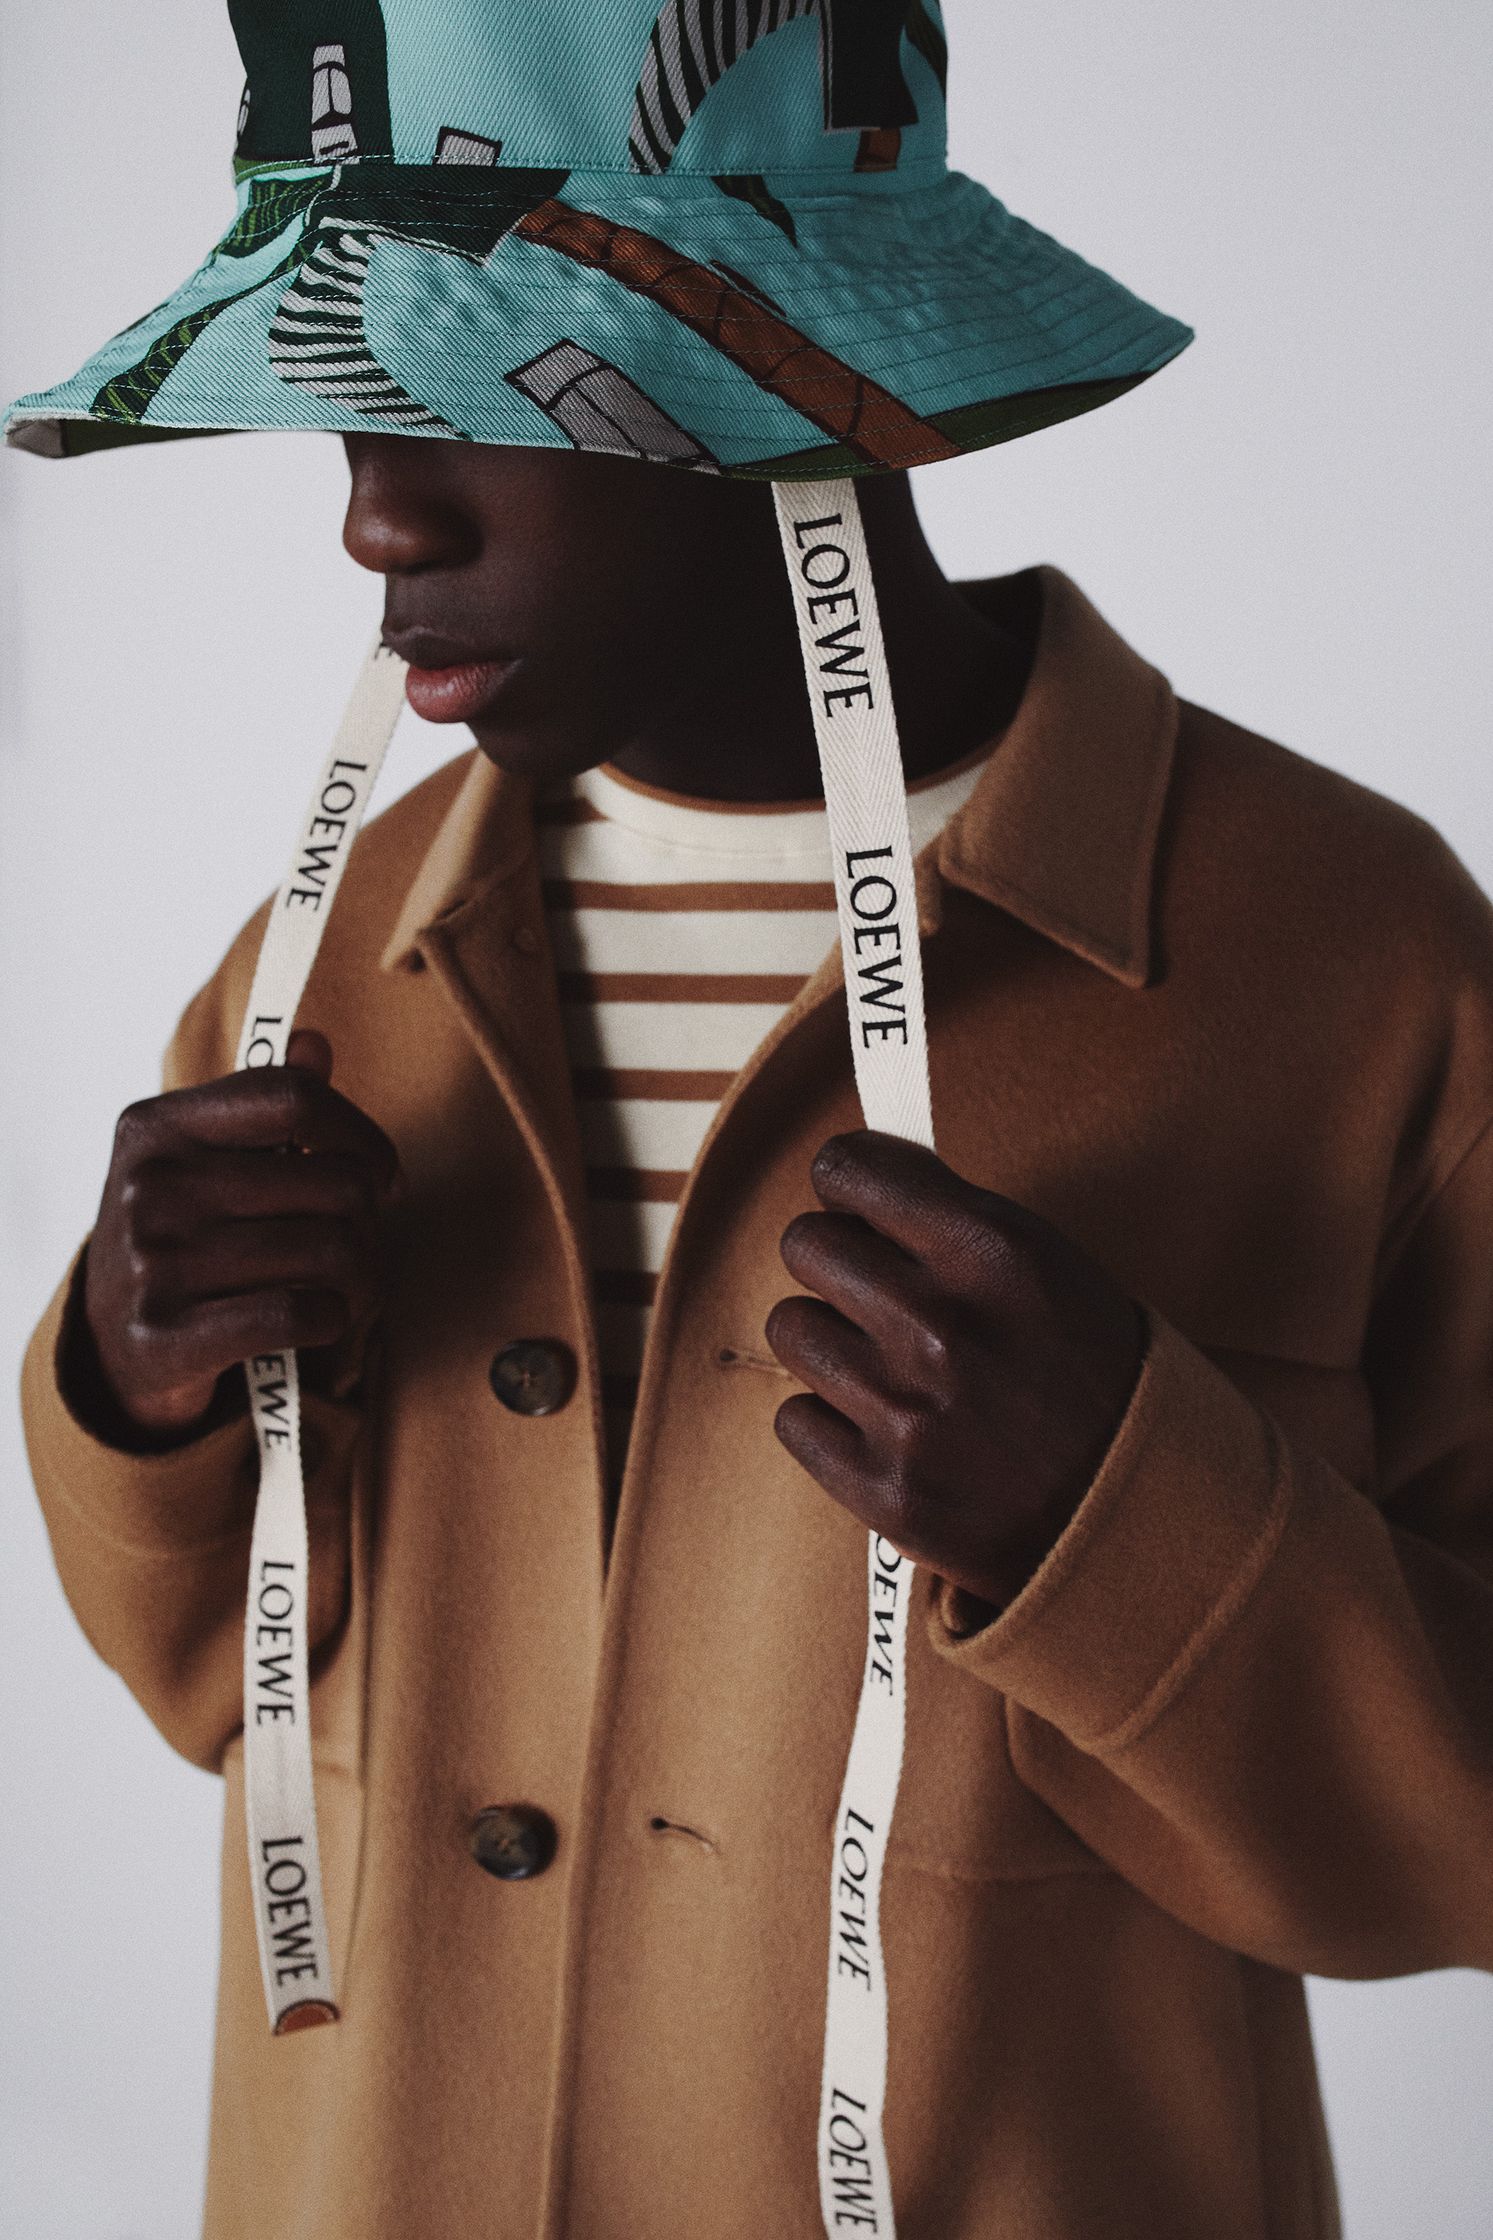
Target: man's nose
<point x="401" y="516"/>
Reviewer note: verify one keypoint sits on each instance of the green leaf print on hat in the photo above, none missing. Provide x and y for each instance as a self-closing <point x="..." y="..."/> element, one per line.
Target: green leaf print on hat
<point x="273" y="205"/>
<point x="317" y="340"/>
<point x="127" y="397"/>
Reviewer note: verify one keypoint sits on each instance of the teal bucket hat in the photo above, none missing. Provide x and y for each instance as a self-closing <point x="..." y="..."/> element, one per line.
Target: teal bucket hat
<point x="720" y="234"/>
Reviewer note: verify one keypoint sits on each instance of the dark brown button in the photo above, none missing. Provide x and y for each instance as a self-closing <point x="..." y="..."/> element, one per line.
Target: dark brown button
<point x="513" y="1841"/>
<point x="534" y="1377"/>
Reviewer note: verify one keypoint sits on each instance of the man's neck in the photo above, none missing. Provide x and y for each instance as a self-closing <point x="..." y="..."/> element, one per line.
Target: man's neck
<point x="957" y="677"/>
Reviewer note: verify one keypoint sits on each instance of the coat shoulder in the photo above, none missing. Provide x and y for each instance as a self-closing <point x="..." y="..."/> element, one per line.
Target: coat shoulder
<point x="1340" y="935"/>
<point x="1304" y="854"/>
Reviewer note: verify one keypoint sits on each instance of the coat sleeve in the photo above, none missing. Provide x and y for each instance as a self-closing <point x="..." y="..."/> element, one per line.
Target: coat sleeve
<point x="153" y="1549"/>
<point x="1259" y="1692"/>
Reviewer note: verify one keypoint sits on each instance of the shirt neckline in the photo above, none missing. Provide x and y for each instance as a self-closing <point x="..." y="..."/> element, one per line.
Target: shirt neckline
<point x="761" y="827"/>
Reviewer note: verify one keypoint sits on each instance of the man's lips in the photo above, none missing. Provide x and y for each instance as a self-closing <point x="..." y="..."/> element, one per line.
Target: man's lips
<point x="446" y="683"/>
<point x="457" y="693"/>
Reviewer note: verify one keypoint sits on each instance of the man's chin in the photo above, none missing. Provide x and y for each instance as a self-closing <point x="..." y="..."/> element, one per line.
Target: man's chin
<point x="535" y="753"/>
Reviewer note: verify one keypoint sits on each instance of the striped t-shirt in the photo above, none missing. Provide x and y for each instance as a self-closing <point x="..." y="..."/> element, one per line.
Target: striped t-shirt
<point x="682" y="931"/>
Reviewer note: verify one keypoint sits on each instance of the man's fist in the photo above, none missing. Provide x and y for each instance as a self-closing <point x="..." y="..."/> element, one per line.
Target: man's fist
<point x="237" y="1218"/>
<point x="969" y="1365"/>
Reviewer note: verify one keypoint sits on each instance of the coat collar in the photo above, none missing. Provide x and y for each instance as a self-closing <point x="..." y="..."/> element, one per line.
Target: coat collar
<point x="1060" y="831"/>
<point x="1062" y="828"/>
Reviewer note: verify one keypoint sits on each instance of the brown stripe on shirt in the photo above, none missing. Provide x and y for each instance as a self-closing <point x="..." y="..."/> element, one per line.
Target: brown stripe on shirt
<point x="690" y="894"/>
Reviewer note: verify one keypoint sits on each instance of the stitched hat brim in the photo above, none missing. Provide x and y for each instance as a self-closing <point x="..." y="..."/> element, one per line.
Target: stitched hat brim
<point x="748" y="325"/>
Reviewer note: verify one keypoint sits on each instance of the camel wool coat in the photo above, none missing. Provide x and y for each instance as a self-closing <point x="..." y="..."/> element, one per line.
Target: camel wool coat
<point x="1224" y="1017"/>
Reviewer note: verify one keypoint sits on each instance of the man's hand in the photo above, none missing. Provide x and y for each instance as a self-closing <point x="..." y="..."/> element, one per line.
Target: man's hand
<point x="237" y="1218"/>
<point x="969" y="1365"/>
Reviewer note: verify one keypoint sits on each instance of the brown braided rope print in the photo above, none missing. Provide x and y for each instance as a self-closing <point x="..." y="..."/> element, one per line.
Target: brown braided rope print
<point x="868" y="419"/>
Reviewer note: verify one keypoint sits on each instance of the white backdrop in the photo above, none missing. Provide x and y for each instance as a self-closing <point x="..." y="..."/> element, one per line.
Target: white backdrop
<point x="1293" y="521"/>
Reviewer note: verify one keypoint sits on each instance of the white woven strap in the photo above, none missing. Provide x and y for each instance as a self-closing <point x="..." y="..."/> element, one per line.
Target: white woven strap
<point x="865" y="795"/>
<point x="280" y="1801"/>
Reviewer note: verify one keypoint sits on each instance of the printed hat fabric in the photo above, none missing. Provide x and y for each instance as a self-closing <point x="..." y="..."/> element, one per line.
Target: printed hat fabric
<point x="720" y="234"/>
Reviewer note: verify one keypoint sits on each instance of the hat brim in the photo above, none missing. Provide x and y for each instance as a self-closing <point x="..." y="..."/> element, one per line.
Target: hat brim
<point x="748" y="326"/>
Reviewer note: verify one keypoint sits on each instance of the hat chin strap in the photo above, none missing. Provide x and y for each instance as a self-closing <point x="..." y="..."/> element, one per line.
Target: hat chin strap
<point x="865" y="794"/>
<point x="860" y="758"/>
<point x="279" y="1800"/>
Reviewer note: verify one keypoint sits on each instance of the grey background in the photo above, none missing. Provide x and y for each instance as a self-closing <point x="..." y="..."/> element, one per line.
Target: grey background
<point x="1293" y="521"/>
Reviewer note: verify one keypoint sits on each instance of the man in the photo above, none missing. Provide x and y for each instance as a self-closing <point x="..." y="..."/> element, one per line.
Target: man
<point x="1171" y="1370"/>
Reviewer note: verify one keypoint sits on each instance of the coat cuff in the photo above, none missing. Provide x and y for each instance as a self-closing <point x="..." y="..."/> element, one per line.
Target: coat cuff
<point x="183" y="1500"/>
<point x="1176" y="1528"/>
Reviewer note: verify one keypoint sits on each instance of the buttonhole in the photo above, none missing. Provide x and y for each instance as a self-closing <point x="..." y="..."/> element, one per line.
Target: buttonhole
<point x="742" y="1357"/>
<point x="663" y="1827"/>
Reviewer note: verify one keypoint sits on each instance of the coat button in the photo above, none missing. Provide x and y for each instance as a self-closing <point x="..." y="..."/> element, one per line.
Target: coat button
<point x="534" y="1377"/>
<point x="513" y="1841"/>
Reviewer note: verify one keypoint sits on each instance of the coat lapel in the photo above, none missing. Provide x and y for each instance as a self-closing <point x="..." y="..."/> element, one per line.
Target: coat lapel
<point x="474" y="919"/>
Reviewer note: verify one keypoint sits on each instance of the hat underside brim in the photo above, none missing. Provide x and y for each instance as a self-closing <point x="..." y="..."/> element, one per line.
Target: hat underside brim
<point x="969" y="428"/>
<point x="746" y="328"/>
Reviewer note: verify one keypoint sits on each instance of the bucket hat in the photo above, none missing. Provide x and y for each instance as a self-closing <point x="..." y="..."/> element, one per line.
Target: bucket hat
<point x="720" y="234"/>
